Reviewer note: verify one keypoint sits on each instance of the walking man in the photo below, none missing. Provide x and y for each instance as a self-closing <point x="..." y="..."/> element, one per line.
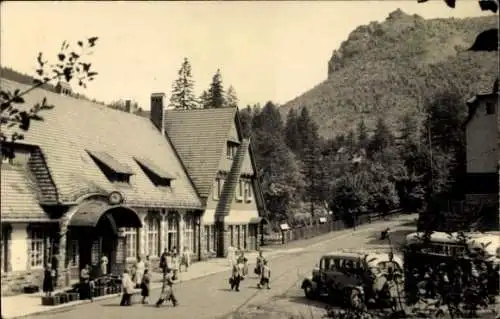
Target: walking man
<point x="237" y="276"/>
<point x="167" y="292"/>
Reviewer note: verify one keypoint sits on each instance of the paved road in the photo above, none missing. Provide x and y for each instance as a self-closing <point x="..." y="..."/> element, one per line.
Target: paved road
<point x="210" y="297"/>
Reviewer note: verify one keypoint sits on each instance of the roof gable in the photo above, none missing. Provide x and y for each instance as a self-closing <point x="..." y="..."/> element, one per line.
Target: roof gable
<point x="74" y="126"/>
<point x="199" y="137"/>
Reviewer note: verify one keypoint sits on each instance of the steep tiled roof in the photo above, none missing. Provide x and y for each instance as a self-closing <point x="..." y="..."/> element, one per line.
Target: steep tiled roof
<point x="75" y="126"/>
<point x="18" y="198"/>
<point x="200" y="136"/>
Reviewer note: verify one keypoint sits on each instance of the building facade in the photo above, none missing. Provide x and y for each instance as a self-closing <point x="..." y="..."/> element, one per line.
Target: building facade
<point x="221" y="164"/>
<point x="87" y="182"/>
<point x="482" y="180"/>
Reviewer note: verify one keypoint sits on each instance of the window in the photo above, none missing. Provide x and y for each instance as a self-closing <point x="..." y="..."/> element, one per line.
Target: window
<point x="173" y="227"/>
<point x="37" y="248"/>
<point x="189" y="233"/>
<point x="152" y="237"/>
<point x="214" y="238"/>
<point x="245" y="235"/>
<point x="131" y="242"/>
<point x="232" y="149"/>
<point x="156" y="175"/>
<point x="238" y="234"/>
<point x="248" y="191"/>
<point x="73" y="255"/>
<point x="239" y="191"/>
<point x="490" y="108"/>
<point x="115" y="171"/>
<point x="231" y="230"/>
<point x="207" y="234"/>
<point x="218" y="186"/>
<point x="4" y="250"/>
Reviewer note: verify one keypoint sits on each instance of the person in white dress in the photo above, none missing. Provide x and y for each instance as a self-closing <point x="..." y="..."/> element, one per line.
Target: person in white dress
<point x="140" y="266"/>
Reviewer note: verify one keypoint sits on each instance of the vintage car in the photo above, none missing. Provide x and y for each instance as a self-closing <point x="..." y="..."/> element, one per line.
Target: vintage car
<point x="453" y="249"/>
<point x="356" y="277"/>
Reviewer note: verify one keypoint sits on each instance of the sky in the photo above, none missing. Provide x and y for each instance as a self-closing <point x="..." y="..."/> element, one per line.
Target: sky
<point x="266" y="50"/>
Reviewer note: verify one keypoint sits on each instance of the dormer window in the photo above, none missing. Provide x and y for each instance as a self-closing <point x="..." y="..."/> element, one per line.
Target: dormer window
<point x="156" y="175"/>
<point x="15" y="154"/>
<point x="115" y="171"/>
<point x="232" y="149"/>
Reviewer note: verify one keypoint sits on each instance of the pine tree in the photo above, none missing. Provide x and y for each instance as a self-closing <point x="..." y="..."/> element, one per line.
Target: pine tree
<point x="382" y="138"/>
<point x="231" y="97"/>
<point x="363" y="138"/>
<point x="182" y="89"/>
<point x="311" y="158"/>
<point x="215" y="97"/>
<point x="205" y="100"/>
<point x="292" y="136"/>
<point x="246" y="116"/>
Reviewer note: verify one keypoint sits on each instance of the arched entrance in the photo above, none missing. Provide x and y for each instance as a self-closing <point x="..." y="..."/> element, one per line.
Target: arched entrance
<point x="96" y="227"/>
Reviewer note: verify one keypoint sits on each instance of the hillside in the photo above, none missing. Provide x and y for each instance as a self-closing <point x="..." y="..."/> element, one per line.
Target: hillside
<point x="388" y="69"/>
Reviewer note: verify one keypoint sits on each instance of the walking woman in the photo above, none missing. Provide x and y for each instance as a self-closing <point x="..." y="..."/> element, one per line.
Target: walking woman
<point x="140" y="266"/>
<point x="48" y="281"/>
<point x="167" y="292"/>
<point x="146" y="279"/>
<point x="128" y="287"/>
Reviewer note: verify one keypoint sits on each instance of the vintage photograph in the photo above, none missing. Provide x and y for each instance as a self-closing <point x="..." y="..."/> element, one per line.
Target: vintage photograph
<point x="249" y="159"/>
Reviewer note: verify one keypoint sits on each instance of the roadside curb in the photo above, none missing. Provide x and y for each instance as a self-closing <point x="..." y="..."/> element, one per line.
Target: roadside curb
<point x="274" y="252"/>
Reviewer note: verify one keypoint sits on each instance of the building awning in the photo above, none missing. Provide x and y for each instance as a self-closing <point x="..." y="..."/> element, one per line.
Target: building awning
<point x="89" y="214"/>
<point x="146" y="163"/>
<point x="258" y="220"/>
<point x="110" y="162"/>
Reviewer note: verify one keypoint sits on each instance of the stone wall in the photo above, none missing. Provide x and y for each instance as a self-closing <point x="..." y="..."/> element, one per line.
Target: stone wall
<point x="14" y="282"/>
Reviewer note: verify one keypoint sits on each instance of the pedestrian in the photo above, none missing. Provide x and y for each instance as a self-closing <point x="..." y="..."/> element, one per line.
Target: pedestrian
<point x="145" y="286"/>
<point x="48" y="280"/>
<point x="167" y="292"/>
<point x="147" y="263"/>
<point x="185" y="259"/>
<point x="259" y="263"/>
<point x="265" y="276"/>
<point x="236" y="276"/>
<point x="139" y="271"/>
<point x="104" y="265"/>
<point x="85" y="284"/>
<point x="174" y="263"/>
<point x="163" y="261"/>
<point x="243" y="261"/>
<point x="55" y="267"/>
<point x="128" y="289"/>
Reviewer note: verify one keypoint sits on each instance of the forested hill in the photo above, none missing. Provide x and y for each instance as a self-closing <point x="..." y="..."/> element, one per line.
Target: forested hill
<point x="389" y="69"/>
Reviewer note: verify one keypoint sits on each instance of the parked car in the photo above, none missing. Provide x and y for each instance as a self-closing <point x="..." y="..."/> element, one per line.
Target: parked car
<point x="357" y="277"/>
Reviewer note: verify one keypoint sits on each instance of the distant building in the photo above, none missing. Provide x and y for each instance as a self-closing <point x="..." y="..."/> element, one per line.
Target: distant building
<point x="482" y="181"/>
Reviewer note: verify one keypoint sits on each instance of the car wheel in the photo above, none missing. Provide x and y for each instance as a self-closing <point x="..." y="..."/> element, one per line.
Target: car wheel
<point x="309" y="291"/>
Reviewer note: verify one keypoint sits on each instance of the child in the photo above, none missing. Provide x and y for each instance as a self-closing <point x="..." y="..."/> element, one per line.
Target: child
<point x="167" y="292"/>
<point x="145" y="287"/>
<point x="264" y="276"/>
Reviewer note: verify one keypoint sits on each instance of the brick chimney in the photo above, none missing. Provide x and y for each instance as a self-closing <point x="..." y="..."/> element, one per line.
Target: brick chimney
<point x="158" y="101"/>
